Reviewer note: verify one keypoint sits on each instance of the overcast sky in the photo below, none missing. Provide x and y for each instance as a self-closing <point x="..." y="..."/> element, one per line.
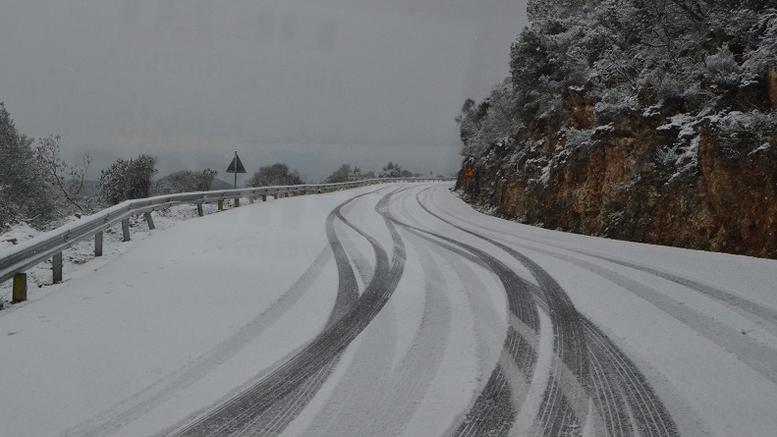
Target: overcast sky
<point x="314" y="83"/>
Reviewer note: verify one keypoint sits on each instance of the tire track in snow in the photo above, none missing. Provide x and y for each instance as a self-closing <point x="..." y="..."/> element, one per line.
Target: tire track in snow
<point x="644" y="405"/>
<point x="728" y="298"/>
<point x="563" y="409"/>
<point x="285" y="410"/>
<point x="413" y="375"/>
<point x="354" y="397"/>
<point x="495" y="408"/>
<point x="489" y="361"/>
<point x="361" y="263"/>
<point x="758" y="356"/>
<point x="621" y="392"/>
<point x="235" y="413"/>
<point x="612" y="417"/>
<point x="150" y="398"/>
<point x="528" y="412"/>
<point x="568" y="384"/>
<point x="276" y="418"/>
<point x="282" y="413"/>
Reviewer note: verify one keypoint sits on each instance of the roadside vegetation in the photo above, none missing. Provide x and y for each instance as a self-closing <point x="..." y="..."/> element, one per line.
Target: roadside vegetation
<point x="40" y="190"/>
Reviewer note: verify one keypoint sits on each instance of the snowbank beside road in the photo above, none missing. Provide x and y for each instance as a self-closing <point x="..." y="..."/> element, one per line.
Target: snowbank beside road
<point x="80" y="257"/>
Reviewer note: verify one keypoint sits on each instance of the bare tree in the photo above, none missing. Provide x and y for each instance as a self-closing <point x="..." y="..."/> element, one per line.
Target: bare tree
<point x="68" y="179"/>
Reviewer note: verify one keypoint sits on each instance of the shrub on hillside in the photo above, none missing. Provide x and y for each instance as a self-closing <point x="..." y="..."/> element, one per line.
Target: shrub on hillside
<point x="127" y="179"/>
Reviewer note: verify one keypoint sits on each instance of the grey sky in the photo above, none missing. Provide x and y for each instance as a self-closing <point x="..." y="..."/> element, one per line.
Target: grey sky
<point x="311" y="82"/>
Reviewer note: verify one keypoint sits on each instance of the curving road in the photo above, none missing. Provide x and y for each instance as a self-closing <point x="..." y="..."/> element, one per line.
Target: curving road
<point x="402" y="311"/>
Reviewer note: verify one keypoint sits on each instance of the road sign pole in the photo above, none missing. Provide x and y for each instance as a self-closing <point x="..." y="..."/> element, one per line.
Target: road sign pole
<point x="236" y="167"/>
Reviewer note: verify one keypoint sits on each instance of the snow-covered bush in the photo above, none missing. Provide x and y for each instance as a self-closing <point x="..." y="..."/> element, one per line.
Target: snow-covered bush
<point x="342" y="174"/>
<point x="722" y="69"/>
<point x="276" y="174"/>
<point x="127" y="179"/>
<point x="185" y="181"/>
<point x="744" y="132"/>
<point x="392" y="170"/>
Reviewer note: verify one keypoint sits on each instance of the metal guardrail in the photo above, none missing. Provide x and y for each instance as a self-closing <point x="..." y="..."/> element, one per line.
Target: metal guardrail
<point x="14" y="262"/>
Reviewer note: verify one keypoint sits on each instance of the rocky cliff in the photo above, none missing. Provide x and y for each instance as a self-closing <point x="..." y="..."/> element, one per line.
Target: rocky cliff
<point x="718" y="193"/>
<point x="675" y="147"/>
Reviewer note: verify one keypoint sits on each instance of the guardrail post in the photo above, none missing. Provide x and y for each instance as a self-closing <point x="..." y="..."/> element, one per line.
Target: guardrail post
<point x="199" y="210"/>
<point x="56" y="267"/>
<point x="149" y="220"/>
<point x="98" y="244"/>
<point x="237" y="202"/>
<point x="125" y="232"/>
<point x="19" y="292"/>
<point x="221" y="204"/>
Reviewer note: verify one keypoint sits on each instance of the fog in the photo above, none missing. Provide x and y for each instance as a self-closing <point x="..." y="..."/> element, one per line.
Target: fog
<point x="314" y="83"/>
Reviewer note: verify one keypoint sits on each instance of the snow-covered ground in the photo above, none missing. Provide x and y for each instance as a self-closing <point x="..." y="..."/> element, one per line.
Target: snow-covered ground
<point x="76" y="257"/>
<point x="386" y="310"/>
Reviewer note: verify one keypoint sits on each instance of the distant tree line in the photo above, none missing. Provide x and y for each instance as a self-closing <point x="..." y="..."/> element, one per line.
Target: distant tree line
<point x="38" y="187"/>
<point x="347" y="173"/>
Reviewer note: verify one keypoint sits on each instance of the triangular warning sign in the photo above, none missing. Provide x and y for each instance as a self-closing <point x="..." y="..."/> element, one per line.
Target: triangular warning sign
<point x="236" y="166"/>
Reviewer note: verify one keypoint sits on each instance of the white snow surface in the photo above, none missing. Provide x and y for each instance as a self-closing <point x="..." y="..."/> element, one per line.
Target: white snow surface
<point x="168" y="326"/>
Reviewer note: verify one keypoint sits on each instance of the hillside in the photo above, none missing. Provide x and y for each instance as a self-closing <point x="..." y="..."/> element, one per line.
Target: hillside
<point x="635" y="120"/>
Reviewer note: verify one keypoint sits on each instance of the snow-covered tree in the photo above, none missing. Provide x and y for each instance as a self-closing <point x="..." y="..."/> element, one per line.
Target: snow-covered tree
<point x="625" y="56"/>
<point x="392" y="170"/>
<point x="127" y="179"/>
<point x="342" y="174"/>
<point x="276" y="174"/>
<point x="490" y="122"/>
<point x="24" y="191"/>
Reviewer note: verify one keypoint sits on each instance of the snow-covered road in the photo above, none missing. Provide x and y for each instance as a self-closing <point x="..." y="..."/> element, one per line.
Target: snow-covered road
<point x="393" y="310"/>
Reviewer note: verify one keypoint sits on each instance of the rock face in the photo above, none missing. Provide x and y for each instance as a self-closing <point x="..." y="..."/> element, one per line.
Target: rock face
<point x="658" y="176"/>
<point x="773" y="86"/>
